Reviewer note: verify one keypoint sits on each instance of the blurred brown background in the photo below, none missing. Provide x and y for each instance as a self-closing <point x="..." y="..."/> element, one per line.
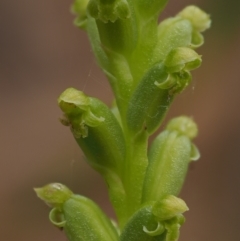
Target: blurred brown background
<point x="42" y="53"/>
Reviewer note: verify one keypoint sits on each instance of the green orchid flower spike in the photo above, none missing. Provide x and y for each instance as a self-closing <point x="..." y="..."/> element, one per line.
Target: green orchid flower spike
<point x="148" y="64"/>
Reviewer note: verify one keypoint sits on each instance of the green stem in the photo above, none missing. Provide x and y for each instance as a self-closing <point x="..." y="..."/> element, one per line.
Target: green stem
<point x="134" y="170"/>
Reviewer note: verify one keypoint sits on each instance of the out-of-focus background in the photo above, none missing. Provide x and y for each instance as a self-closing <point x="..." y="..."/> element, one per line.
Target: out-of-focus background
<point x="42" y="53"/>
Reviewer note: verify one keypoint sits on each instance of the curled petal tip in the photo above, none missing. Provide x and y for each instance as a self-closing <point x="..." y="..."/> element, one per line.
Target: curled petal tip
<point x="159" y="230"/>
<point x="195" y="154"/>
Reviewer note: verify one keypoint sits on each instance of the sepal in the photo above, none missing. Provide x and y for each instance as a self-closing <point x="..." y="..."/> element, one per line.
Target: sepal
<point x="77" y="113"/>
<point x="182" y="59"/>
<point x="73" y="102"/>
<point x="169" y="207"/>
<point x="86" y="221"/>
<point x="168" y="212"/>
<point x="54" y="194"/>
<point x="96" y="44"/>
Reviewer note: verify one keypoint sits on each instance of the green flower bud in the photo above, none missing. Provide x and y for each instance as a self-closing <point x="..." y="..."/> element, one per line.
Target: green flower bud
<point x="182" y="58"/>
<point x="157" y="221"/>
<point x="184" y="125"/>
<point x="121" y="78"/>
<point x="86" y="221"/>
<point x="169" y="157"/>
<point x="80" y="218"/>
<point x="172" y="33"/>
<point x="168" y="212"/>
<point x="199" y="19"/>
<point x="157" y="89"/>
<point x="100" y="137"/>
<point x="169" y="207"/>
<point x="111" y="26"/>
<point x="54" y="194"/>
<point x="72" y="102"/>
<point x="104" y="143"/>
<point x="200" y="22"/>
<point x="120" y="36"/>
<point x="144" y="98"/>
<point x="178" y="63"/>
<point x="76" y="107"/>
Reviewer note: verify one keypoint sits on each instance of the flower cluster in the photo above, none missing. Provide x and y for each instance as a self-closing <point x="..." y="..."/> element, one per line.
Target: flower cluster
<point x="147" y="65"/>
